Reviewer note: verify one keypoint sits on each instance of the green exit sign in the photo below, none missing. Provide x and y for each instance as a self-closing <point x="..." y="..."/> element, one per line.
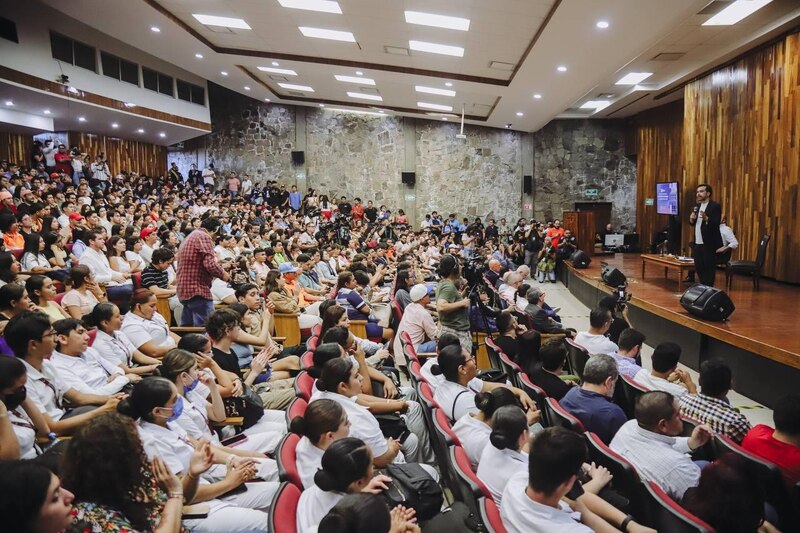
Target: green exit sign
<point x="591" y="192"/>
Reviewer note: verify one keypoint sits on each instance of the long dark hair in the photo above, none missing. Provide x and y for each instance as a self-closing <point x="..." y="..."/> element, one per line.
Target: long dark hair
<point x="345" y="461"/>
<point x="450" y="358"/>
<point x="6" y="260"/>
<point x="32" y="241"/>
<point x="24" y="486"/>
<point x="331" y="318"/>
<point x="401" y="281"/>
<point x="148" y="394"/>
<point x="321" y="416"/>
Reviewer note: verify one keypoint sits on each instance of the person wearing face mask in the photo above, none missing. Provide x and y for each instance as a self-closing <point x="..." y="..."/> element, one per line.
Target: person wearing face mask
<point x="323" y="423"/>
<point x="32" y="499"/>
<point x="20" y="421"/>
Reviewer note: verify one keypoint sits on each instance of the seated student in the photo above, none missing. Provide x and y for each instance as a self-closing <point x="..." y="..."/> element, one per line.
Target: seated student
<point x="547" y="375"/>
<point x="507" y="341"/>
<point x="146" y="328"/>
<point x="32" y="499"/>
<point x="104" y="464"/>
<point x="473" y="429"/>
<point x="418" y="323"/>
<point x="456" y="395"/>
<point x="729" y="497"/>
<point x="42" y="293"/>
<point x="113" y="345"/>
<point x="20" y="420"/>
<point x="618" y="323"/>
<point x="666" y="376"/>
<point x="82" y="368"/>
<point x="285" y="302"/>
<point x="445" y="339"/>
<point x="280" y="370"/>
<point x="156" y="278"/>
<point x="591" y="402"/>
<point x="85" y="292"/>
<point x="357" y="308"/>
<point x="323" y="423"/>
<point x="334" y="315"/>
<point x="346" y="468"/>
<point x="653" y="445"/>
<point x="710" y="406"/>
<point x="507" y="452"/>
<point x="32" y="339"/>
<point x="367" y="513"/>
<point x="781" y="445"/>
<point x="534" y="499"/>
<point x="155" y="405"/>
<point x="402" y="288"/>
<point x="595" y="340"/>
<point x="630" y="350"/>
<point x="542" y="322"/>
<point x="384" y="386"/>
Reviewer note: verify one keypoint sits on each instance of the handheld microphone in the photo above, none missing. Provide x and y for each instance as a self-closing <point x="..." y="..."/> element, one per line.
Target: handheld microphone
<point x="696" y="209"/>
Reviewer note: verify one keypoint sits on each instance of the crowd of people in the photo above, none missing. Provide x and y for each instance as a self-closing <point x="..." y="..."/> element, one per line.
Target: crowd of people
<point x="115" y="415"/>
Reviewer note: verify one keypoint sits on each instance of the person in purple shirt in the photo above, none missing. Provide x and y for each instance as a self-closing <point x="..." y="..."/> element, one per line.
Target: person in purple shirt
<point x="629" y="353"/>
<point x="591" y="403"/>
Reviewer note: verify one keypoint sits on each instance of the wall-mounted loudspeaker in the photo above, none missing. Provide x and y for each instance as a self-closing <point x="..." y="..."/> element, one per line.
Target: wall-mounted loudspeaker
<point x="707" y="302"/>
<point x="409" y="178"/>
<point x="613" y="277"/>
<point x="580" y="259"/>
<point x="527" y="184"/>
<point x="298" y="157"/>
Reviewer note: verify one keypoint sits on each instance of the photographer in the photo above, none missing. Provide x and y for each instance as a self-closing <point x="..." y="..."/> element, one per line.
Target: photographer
<point x="620" y="321"/>
<point x="100" y="173"/>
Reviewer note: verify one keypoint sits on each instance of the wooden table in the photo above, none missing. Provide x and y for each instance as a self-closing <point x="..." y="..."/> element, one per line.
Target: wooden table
<point x="669" y="262"/>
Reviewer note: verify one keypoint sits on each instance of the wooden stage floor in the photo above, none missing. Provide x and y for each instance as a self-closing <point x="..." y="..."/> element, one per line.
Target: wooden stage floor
<point x="766" y="322"/>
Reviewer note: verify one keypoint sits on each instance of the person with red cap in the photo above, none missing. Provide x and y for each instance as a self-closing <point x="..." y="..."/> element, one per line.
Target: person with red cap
<point x="149" y="238"/>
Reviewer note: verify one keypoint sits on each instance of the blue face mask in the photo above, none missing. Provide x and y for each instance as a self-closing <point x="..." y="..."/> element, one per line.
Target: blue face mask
<point x="192" y="386"/>
<point x="177" y="409"/>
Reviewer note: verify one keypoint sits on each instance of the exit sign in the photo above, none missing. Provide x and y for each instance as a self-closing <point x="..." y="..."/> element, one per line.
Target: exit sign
<point x="591" y="192"/>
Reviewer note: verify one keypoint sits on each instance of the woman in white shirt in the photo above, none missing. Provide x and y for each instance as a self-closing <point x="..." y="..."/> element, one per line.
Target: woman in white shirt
<point x="133" y="245"/>
<point x="115" y="251"/>
<point x="323" y="423"/>
<point x="146" y="328"/>
<point x="473" y="429"/>
<point x="18" y="430"/>
<point x="113" y="344"/>
<point x="346" y="469"/>
<point x="156" y="405"/>
<point x="508" y="453"/>
<point x="33" y="258"/>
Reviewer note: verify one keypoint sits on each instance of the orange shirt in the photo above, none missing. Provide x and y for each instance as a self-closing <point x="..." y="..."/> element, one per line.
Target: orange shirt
<point x="13" y="240"/>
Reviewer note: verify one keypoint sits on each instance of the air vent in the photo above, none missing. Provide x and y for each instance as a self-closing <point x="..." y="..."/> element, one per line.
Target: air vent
<point x="605" y="96"/>
<point x="296" y="93"/>
<point x="279" y="78"/>
<point x="368" y="90"/>
<point x="480" y="109"/>
<point x="715" y="7"/>
<point x="396" y="50"/>
<point x="499" y="65"/>
<point x="668" y="56"/>
<point x="220" y="29"/>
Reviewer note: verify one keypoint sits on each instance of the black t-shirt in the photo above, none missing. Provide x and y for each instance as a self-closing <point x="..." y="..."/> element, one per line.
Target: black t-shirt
<point x="618" y="324"/>
<point x="509" y="345"/>
<point x="491" y="232"/>
<point x="553" y="385"/>
<point x="226" y="361"/>
<point x="345" y="208"/>
<point x="371" y="213"/>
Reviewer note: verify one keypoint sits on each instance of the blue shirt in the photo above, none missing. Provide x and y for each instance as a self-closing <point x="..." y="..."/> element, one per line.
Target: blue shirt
<point x="596" y="412"/>
<point x="294" y="200"/>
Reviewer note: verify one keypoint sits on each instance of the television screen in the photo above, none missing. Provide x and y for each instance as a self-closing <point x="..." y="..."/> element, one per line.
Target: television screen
<point x="667" y="198"/>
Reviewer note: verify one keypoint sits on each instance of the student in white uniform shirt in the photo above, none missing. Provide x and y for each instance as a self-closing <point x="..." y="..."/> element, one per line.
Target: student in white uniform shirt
<point x="323" y="423"/>
<point x="595" y="340"/>
<point x="113" y="345"/>
<point x="456" y="395"/>
<point x="445" y="339"/>
<point x="20" y="420"/>
<point x="347" y="468"/>
<point x="155" y="403"/>
<point x="507" y="452"/>
<point x="146" y="328"/>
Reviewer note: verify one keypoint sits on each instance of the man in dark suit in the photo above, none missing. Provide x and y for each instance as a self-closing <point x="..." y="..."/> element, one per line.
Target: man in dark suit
<point x="705" y="218"/>
<point x="541" y="321"/>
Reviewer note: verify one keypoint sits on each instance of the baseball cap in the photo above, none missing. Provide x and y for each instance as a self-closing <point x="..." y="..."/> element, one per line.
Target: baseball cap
<point x="287" y="268"/>
<point x="418" y="292"/>
<point x="146" y="232"/>
<point x="75" y="216"/>
<point x="54" y="175"/>
<point x="4" y="195"/>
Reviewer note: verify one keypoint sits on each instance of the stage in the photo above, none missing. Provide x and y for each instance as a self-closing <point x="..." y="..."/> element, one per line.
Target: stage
<point x="760" y="340"/>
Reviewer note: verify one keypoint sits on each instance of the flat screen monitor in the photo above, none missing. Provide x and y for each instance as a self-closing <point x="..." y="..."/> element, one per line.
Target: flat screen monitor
<point x="614" y="240"/>
<point x="667" y="198"/>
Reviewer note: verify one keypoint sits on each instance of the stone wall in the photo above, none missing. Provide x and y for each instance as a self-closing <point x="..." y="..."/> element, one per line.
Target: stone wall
<point x="571" y="156"/>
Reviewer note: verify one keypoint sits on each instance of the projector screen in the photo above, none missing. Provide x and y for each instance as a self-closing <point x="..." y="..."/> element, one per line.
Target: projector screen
<point x="667" y="198"/>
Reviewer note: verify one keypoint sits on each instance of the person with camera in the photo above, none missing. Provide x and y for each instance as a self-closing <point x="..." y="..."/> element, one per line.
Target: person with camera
<point x="100" y="173"/>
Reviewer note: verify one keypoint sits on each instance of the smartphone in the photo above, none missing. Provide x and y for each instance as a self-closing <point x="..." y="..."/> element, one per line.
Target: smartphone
<point x="403" y="436"/>
<point x="576" y="491"/>
<point x="233" y="441"/>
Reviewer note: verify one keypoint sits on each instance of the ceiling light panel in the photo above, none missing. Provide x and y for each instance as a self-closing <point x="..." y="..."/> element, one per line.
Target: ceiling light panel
<point x="434" y="90"/>
<point x="596" y="104"/>
<point x="436" y="107"/>
<point x="284" y="71"/>
<point x="438" y="21"/>
<point x="355" y="79"/>
<point x="434" y="48"/>
<point x="321" y="33"/>
<point x="295" y="87"/>
<point x="323" y="6"/>
<point x="227" y="22"/>
<point x="735" y="12"/>
<point x="633" y="78"/>
<point x="375" y="97"/>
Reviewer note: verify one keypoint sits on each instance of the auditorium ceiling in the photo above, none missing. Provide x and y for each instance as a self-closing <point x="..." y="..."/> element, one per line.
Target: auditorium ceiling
<point x="506" y="63"/>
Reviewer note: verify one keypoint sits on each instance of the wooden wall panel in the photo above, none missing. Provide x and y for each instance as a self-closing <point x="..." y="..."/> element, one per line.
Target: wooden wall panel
<point x="740" y="134"/>
<point x="16" y="147"/>
<point x="122" y="154"/>
<point x="659" y="158"/>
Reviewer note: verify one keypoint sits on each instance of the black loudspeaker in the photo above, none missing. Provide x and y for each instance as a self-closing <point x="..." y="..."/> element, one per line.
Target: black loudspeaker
<point x="613" y="277"/>
<point x="527" y="184"/>
<point x="409" y="178"/>
<point x="708" y="303"/>
<point x="580" y="259"/>
<point x="298" y="157"/>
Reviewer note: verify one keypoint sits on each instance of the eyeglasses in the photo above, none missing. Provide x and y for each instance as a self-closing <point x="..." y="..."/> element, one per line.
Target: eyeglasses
<point x="51" y="333"/>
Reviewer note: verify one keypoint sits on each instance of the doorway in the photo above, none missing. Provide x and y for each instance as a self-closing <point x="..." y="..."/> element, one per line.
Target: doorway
<point x="601" y="210"/>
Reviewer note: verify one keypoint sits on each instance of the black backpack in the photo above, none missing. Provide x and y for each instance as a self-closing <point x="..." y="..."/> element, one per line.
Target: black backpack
<point x="413" y="487"/>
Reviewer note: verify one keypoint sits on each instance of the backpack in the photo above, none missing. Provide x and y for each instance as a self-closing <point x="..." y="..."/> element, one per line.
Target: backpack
<point x="412" y="487"/>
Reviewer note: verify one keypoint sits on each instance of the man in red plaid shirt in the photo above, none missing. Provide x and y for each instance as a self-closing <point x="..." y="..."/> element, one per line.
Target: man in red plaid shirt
<point x="197" y="267"/>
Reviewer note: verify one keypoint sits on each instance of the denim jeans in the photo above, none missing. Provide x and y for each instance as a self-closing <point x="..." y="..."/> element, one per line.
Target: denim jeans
<point x="427" y="347"/>
<point x="196" y="311"/>
<point x="120" y="295"/>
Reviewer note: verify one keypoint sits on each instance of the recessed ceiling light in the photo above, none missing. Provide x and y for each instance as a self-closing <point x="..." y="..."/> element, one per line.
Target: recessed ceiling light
<point x="434" y="90"/>
<point x="520" y="113"/>
<point x="199" y="56"/>
<point x="381" y="111"/>
<point x="436" y="107"/>
<point x="223" y="73"/>
<point x="266" y="99"/>
<point x="275" y="64"/>
<point x="9" y="103"/>
<point x="561" y="68"/>
<point x="46" y="111"/>
<point x="633" y="78"/>
<point x="140" y="130"/>
<point x="354" y="79"/>
<point x="81" y="119"/>
<point x="448" y="84"/>
<point x="433" y="48"/>
<point x="155" y="29"/>
<point x="735" y="12"/>
<point x="363" y="96"/>
<point x="284" y="71"/>
<point x="322" y="33"/>
<point x="325" y="6"/>
<point x="537" y="96"/>
<point x="444" y="118"/>
<point x="295" y="87"/>
<point x="359" y="73"/>
<point x="508" y="126"/>
<point x="246" y="87"/>
<point x="322" y="105"/>
<point x="602" y="24"/>
<point x="227" y="22"/>
<point x="596" y="104"/>
<point x="162" y="134"/>
<point x="438" y="21"/>
<point x="114" y="125"/>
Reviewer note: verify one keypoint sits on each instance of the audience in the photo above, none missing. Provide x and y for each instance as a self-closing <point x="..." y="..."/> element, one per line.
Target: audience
<point x="507" y="452"/>
<point x="418" y="323"/>
<point x="781" y="445"/>
<point x="666" y="376"/>
<point x="595" y="340"/>
<point x="548" y="374"/>
<point x="629" y="351"/>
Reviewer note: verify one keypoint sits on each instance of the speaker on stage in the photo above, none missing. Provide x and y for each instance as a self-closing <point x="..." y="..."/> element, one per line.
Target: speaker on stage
<point x="613" y="277"/>
<point x="580" y="259"/>
<point x="707" y="302"/>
